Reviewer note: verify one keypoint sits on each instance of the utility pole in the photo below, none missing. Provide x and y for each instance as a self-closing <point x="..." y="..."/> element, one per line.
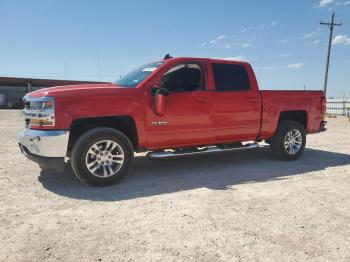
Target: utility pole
<point x="331" y="27"/>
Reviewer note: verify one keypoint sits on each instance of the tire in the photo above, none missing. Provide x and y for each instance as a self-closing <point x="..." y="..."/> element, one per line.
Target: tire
<point x="102" y="157"/>
<point x="288" y="143"/>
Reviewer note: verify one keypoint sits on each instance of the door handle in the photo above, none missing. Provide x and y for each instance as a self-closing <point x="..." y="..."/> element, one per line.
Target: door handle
<point x="202" y="100"/>
<point x="253" y="100"/>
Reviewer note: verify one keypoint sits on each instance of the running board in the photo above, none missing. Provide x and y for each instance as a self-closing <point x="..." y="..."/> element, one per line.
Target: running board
<point x="212" y="149"/>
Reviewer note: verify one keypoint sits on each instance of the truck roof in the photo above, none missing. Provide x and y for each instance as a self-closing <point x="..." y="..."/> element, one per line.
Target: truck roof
<point x="218" y="60"/>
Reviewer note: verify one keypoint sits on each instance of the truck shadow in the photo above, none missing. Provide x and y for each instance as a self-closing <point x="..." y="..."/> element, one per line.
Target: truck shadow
<point x="220" y="171"/>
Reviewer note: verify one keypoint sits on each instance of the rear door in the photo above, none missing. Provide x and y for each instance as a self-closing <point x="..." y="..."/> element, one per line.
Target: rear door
<point x="237" y="107"/>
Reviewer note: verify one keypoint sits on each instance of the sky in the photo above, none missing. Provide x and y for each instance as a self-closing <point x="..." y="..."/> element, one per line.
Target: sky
<point x="101" y="40"/>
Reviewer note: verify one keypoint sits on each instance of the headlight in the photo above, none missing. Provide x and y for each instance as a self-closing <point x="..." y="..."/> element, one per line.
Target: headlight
<point x="39" y="112"/>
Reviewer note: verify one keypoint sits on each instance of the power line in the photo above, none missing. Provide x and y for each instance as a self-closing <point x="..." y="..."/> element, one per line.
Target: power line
<point x="331" y="28"/>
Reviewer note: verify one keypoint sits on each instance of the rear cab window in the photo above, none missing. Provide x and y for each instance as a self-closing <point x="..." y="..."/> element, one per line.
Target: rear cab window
<point x="230" y="77"/>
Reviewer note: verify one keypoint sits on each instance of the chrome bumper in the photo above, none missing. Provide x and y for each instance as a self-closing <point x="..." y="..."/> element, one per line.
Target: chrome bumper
<point x="45" y="143"/>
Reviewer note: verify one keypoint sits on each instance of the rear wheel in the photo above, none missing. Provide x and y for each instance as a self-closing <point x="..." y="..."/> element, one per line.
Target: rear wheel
<point x="289" y="140"/>
<point x="102" y="156"/>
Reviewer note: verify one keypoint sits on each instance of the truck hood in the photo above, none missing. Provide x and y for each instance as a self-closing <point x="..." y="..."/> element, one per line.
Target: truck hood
<point x="74" y="90"/>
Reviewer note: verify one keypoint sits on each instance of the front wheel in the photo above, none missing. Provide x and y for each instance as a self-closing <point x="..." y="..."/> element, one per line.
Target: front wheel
<point x="102" y="157"/>
<point x="289" y="140"/>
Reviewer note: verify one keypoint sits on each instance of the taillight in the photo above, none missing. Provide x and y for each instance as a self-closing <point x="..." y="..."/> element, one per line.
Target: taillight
<point x="323" y="105"/>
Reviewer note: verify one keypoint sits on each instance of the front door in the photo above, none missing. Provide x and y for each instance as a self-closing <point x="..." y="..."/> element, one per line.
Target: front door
<point x="187" y="120"/>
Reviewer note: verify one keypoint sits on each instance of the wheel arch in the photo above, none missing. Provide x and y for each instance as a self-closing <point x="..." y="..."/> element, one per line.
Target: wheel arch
<point x="299" y="116"/>
<point x="125" y="124"/>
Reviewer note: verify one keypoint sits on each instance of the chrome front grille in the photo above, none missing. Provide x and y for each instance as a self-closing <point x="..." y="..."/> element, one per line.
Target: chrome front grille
<point x="36" y="112"/>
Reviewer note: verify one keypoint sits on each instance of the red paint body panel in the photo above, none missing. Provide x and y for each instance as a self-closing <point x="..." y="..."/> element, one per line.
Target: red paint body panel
<point x="238" y="114"/>
<point x="275" y="102"/>
<point x="189" y="118"/>
<point x="194" y="118"/>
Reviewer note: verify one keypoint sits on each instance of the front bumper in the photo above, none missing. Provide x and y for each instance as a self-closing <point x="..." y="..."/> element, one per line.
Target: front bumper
<point x="46" y="148"/>
<point x="44" y="143"/>
<point x="47" y="163"/>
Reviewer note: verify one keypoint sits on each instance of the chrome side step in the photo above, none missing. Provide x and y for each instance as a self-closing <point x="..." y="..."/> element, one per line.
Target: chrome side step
<point x="212" y="149"/>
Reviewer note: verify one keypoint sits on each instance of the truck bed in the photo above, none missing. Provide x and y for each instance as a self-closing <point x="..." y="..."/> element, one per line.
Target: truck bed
<point x="274" y="102"/>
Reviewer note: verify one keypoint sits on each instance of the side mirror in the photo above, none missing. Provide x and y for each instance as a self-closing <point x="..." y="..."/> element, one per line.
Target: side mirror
<point x="157" y="90"/>
<point x="159" y="100"/>
<point x="159" y="104"/>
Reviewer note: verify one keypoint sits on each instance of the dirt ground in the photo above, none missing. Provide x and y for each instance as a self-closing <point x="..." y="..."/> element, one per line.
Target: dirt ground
<point x="237" y="206"/>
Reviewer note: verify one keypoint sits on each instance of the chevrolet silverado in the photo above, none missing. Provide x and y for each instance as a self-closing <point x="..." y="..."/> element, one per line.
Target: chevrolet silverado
<point x="172" y="107"/>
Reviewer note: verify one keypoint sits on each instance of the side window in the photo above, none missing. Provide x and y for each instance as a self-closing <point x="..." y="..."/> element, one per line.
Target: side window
<point x="229" y="77"/>
<point x="184" y="78"/>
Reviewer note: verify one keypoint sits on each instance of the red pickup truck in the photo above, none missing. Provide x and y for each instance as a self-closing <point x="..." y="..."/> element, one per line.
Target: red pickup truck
<point x="172" y="107"/>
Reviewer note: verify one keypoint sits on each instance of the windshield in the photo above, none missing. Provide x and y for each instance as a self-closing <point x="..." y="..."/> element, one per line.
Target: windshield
<point x="135" y="77"/>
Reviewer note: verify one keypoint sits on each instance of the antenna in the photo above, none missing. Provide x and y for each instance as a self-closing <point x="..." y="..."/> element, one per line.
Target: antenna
<point x="259" y="69"/>
<point x="98" y="64"/>
<point x="66" y="69"/>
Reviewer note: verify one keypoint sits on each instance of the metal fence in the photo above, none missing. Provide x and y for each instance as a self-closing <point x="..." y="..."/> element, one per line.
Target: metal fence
<point x="340" y="107"/>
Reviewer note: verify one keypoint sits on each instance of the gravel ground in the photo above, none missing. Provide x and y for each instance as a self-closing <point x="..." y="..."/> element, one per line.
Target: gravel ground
<point x="238" y="206"/>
